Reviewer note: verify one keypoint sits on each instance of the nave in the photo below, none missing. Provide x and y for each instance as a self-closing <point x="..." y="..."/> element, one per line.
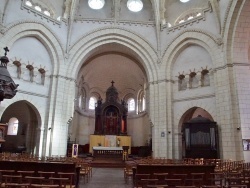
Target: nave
<point x="106" y="178"/>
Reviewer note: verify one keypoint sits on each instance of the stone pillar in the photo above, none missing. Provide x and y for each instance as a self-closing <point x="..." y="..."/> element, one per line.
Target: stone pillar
<point x="158" y="112"/>
<point x="227" y="119"/>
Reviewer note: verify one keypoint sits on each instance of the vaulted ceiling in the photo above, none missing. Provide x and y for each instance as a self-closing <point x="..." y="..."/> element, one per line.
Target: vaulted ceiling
<point x="113" y="61"/>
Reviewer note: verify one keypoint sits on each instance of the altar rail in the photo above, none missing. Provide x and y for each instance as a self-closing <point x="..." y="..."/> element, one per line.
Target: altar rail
<point x="108" y="152"/>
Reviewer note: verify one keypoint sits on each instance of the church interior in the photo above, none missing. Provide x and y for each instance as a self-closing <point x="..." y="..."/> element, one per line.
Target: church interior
<point x="125" y="79"/>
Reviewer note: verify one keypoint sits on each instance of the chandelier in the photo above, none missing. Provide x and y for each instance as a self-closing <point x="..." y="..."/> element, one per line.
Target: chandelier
<point x="7" y="85"/>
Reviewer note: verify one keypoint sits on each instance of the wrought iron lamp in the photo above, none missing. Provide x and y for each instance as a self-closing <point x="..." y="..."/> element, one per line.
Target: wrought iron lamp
<point x="7" y="85"/>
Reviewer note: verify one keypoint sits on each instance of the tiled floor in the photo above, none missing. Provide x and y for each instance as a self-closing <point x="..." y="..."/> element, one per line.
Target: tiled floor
<point x="106" y="178"/>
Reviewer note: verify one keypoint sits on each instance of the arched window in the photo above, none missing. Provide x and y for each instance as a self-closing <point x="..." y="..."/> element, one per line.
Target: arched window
<point x="28" y="3"/>
<point x="82" y="99"/>
<point x="46" y="13"/>
<point x="131" y="104"/>
<point x="92" y="102"/>
<point x="38" y="8"/>
<point x="12" y="126"/>
<point x="141" y="105"/>
<point x="44" y="9"/>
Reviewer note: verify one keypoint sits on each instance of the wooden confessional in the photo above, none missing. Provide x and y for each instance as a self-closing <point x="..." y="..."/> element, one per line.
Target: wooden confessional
<point x="200" y="138"/>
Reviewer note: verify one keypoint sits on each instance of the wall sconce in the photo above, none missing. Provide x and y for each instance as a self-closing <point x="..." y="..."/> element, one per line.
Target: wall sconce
<point x="162" y="134"/>
<point x="238" y="128"/>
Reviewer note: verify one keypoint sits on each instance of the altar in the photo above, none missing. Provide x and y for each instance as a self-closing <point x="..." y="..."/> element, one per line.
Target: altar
<point x="110" y="136"/>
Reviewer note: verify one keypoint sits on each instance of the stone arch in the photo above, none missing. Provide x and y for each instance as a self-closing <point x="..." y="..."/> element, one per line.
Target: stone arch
<point x="33" y="103"/>
<point x="146" y="53"/>
<point x="30" y="120"/>
<point x="126" y="92"/>
<point x="238" y="47"/>
<point x="186" y="116"/>
<point x="191" y="105"/>
<point x="199" y="38"/>
<point x="179" y="119"/>
<point x="40" y="31"/>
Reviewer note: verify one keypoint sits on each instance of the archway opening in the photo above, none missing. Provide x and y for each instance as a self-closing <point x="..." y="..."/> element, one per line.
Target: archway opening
<point x="23" y="122"/>
<point x="192" y="114"/>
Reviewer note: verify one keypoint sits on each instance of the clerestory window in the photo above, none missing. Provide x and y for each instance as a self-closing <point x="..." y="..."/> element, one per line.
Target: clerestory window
<point x="92" y="102"/>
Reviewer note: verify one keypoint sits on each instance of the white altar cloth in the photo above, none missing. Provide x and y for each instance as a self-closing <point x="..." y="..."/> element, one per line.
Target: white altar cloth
<point x="106" y="148"/>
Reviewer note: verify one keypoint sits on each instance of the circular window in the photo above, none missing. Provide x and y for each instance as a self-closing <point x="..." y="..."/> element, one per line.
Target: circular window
<point x="135" y="5"/>
<point x="96" y="4"/>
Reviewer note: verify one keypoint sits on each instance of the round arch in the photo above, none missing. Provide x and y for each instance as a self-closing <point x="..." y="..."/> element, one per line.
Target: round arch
<point x="47" y="38"/>
<point x="28" y="135"/>
<point x="186" y="38"/>
<point x="187" y="115"/>
<point x="85" y="45"/>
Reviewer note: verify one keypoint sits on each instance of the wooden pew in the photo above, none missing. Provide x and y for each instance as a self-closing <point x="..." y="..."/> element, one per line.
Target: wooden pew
<point x="176" y="169"/>
<point x="42" y="166"/>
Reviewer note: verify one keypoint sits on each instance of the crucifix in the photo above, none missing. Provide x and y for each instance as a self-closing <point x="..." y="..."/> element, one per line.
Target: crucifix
<point x="112" y="83"/>
<point x="112" y="122"/>
<point x="6" y="49"/>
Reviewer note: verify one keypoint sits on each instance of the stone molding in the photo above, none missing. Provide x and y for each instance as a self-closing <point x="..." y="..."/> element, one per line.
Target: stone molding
<point x="63" y="77"/>
<point x="116" y="22"/>
<point x="230" y="65"/>
<point x="194" y="98"/>
<point x="32" y="93"/>
<point x="161" y="81"/>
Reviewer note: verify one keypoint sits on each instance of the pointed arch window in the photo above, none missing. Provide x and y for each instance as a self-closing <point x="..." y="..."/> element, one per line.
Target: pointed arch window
<point x="12" y="126"/>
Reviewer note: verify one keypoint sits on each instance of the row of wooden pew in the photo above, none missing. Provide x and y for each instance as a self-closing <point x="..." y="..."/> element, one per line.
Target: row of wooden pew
<point x="55" y="171"/>
<point x="12" y="178"/>
<point x="152" y="172"/>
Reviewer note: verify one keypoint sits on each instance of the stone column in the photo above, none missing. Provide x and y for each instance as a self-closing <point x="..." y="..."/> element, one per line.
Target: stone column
<point x="227" y="119"/>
